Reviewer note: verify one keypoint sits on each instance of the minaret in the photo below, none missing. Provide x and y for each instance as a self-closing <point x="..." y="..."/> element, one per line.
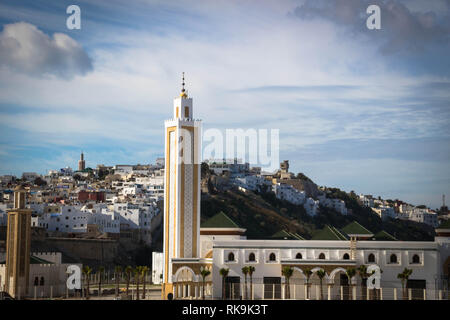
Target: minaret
<point x="181" y="186"/>
<point x="18" y="243"/>
<point x="81" y="162"/>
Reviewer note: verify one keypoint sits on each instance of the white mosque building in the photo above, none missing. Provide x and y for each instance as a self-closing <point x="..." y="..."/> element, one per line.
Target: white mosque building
<point x="220" y="244"/>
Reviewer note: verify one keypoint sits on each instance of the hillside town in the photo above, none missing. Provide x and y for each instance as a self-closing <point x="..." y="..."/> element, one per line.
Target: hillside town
<point x="116" y="201"/>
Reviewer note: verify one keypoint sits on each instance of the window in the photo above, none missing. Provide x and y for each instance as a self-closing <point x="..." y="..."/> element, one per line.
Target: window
<point x="393" y="258"/>
<point x="322" y="256"/>
<point x="272" y="257"/>
<point x="42" y="281"/>
<point x="251" y="257"/>
<point x="346" y="256"/>
<point x="186" y="112"/>
<point x="416" y="259"/>
<point x="371" y="258"/>
<point x="231" y="256"/>
<point x="36" y="281"/>
<point x="298" y="256"/>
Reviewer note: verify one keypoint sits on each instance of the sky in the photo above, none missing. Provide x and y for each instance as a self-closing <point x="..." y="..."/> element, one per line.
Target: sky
<point x="358" y="109"/>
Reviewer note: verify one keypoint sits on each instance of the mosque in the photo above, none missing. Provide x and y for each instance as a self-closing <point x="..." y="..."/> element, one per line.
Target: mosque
<point x="220" y="244"/>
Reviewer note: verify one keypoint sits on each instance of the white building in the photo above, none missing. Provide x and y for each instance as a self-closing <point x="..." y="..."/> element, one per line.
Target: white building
<point x="385" y="212"/>
<point x="157" y="267"/>
<point x="288" y="193"/>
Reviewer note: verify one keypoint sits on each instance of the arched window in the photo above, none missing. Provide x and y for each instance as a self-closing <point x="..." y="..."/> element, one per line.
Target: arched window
<point x="36" y="281"/>
<point x="231" y="256"/>
<point x="272" y="257"/>
<point x="371" y="258"/>
<point x="298" y="256"/>
<point x="251" y="257"/>
<point x="346" y="256"/>
<point x="322" y="256"/>
<point x="42" y="281"/>
<point x="416" y="258"/>
<point x="393" y="258"/>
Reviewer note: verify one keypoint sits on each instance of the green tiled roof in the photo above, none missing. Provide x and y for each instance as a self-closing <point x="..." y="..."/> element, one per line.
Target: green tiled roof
<point x="384" y="236"/>
<point x="36" y="260"/>
<point x="286" y="235"/>
<point x="445" y="224"/>
<point x="220" y="220"/>
<point x="329" y="233"/>
<point x="355" y="228"/>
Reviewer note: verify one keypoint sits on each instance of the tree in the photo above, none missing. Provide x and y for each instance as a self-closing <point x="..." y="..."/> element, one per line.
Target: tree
<point x="307" y="273"/>
<point x="245" y="272"/>
<point x="87" y="272"/>
<point x="224" y="273"/>
<point x="101" y="271"/>
<point x="362" y="272"/>
<point x="251" y="269"/>
<point x="404" y="276"/>
<point x="128" y="271"/>
<point x="321" y="274"/>
<point x="144" y="272"/>
<point x="287" y="273"/>
<point x="137" y="275"/>
<point x="204" y="273"/>
<point x="350" y="272"/>
<point x="40" y="182"/>
<point x="117" y="272"/>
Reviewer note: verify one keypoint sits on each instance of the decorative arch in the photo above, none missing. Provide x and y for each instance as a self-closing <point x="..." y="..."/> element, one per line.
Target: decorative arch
<point x="209" y="254"/>
<point x="180" y="270"/>
<point x="300" y="271"/>
<point x="446" y="267"/>
<point x="334" y="272"/>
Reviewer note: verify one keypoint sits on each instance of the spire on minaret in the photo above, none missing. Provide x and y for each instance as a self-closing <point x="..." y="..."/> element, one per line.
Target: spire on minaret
<point x="183" y="91"/>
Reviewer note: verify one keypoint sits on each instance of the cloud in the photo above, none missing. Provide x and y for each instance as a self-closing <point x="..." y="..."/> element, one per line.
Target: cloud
<point x="402" y="29"/>
<point x="26" y="49"/>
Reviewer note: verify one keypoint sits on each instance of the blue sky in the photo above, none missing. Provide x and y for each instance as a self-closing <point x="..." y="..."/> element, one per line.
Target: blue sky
<point x="363" y="110"/>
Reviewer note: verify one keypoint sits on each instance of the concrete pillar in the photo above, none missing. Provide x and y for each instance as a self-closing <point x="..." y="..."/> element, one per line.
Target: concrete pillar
<point x="283" y="288"/>
<point x="262" y="296"/>
<point x="273" y="291"/>
<point x="424" y="294"/>
<point x="409" y="294"/>
<point x="367" y="293"/>
<point x="440" y="294"/>
<point x="329" y="291"/>
<point x="35" y="290"/>
<point x="51" y="292"/>
<point x="354" y="292"/>
<point x="342" y="292"/>
<point x="395" y="293"/>
<point x="306" y="291"/>
<point x="294" y="292"/>
<point x="381" y="293"/>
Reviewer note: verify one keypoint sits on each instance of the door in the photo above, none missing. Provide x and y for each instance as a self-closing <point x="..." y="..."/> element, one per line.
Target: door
<point x="272" y="287"/>
<point x="232" y="288"/>
<point x="416" y="287"/>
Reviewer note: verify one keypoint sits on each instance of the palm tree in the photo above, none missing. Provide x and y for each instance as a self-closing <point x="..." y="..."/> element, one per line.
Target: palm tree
<point x="101" y="271"/>
<point x="321" y="274"/>
<point x="144" y="272"/>
<point x="137" y="275"/>
<point x="245" y="272"/>
<point x="362" y="272"/>
<point x="204" y="273"/>
<point x="287" y="273"/>
<point x="224" y="273"/>
<point x="404" y="276"/>
<point x="351" y="272"/>
<point x="117" y="271"/>
<point x="251" y="269"/>
<point x="128" y="271"/>
<point x="307" y="273"/>
<point x="87" y="272"/>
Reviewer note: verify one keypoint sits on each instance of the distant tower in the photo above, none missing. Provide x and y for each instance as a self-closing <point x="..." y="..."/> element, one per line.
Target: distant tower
<point x="18" y="243"/>
<point x="181" y="187"/>
<point x="81" y="162"/>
